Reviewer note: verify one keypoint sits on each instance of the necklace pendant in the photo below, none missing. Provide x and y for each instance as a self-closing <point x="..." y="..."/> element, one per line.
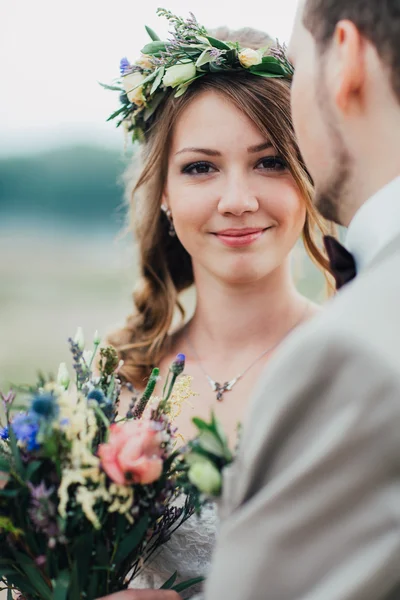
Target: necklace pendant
<point x="222" y="388"/>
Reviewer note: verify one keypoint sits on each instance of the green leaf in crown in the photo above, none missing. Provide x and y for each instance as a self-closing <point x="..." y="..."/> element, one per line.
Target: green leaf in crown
<point x="175" y="64"/>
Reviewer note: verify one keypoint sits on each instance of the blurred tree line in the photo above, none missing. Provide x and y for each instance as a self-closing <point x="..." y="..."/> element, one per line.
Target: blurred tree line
<point x="71" y="185"/>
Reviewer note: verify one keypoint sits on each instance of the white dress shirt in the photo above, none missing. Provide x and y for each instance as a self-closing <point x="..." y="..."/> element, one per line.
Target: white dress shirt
<point x="375" y="224"/>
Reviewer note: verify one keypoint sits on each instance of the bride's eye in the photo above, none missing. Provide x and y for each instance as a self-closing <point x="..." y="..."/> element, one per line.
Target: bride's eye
<point x="272" y="163"/>
<point x="198" y="168"/>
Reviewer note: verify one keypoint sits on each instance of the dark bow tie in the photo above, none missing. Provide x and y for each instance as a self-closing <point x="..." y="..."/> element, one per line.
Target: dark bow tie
<point x="342" y="263"/>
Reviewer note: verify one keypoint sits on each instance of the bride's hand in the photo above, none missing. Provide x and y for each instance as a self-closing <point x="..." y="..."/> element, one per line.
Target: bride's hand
<point x="143" y="595"/>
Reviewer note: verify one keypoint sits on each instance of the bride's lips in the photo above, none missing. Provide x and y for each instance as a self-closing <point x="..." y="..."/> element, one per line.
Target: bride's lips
<point x="240" y="237"/>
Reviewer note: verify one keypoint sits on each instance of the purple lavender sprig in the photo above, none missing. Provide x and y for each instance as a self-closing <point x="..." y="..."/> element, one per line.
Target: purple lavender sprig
<point x="77" y="363"/>
<point x="43" y="512"/>
<point x="280" y="53"/>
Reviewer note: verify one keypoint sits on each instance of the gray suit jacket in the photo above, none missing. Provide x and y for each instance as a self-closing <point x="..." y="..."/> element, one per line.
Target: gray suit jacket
<point x="311" y="507"/>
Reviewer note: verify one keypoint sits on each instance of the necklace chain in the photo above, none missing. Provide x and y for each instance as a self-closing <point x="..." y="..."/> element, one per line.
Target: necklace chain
<point x="221" y="388"/>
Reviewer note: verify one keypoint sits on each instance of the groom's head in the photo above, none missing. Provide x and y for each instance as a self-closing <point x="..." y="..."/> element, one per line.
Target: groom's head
<point x="346" y="98"/>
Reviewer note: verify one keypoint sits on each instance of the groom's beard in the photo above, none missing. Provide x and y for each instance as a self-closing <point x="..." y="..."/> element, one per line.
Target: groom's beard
<point x="331" y="195"/>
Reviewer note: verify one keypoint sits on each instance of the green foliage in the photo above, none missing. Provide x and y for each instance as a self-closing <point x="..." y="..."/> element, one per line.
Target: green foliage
<point x="74" y="184"/>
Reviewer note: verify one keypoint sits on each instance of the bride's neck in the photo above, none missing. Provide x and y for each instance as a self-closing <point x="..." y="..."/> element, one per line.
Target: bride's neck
<point x="229" y="317"/>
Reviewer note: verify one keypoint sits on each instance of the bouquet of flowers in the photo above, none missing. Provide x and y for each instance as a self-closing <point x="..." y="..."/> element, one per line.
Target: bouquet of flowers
<point x="88" y="495"/>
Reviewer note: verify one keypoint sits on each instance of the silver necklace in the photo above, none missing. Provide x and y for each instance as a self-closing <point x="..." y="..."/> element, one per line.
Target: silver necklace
<point x="221" y="388"/>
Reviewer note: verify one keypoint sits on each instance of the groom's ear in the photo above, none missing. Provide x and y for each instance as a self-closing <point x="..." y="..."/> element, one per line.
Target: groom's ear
<point x="348" y="69"/>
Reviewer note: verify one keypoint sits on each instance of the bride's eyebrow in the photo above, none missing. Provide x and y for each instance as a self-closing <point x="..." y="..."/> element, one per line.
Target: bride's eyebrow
<point x="209" y="152"/>
<point x="206" y="151"/>
<point x="260" y="147"/>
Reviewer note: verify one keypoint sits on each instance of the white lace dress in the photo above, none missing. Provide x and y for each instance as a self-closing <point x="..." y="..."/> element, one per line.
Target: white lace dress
<point x="188" y="551"/>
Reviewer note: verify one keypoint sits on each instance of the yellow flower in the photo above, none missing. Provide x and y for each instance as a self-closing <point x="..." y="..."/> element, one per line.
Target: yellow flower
<point x="133" y="88"/>
<point x="181" y="394"/>
<point x="145" y="62"/>
<point x="249" y="57"/>
<point x="122" y="500"/>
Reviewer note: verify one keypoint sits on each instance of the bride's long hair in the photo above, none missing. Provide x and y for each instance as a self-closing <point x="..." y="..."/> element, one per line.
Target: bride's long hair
<point x="165" y="266"/>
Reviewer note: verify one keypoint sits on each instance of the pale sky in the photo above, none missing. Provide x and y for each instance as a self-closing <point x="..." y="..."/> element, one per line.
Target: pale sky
<point x="52" y="54"/>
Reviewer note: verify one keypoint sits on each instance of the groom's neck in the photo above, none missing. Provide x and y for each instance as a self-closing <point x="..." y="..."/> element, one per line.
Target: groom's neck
<point x="376" y="161"/>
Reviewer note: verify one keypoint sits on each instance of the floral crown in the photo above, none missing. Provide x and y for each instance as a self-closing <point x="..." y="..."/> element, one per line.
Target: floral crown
<point x="190" y="54"/>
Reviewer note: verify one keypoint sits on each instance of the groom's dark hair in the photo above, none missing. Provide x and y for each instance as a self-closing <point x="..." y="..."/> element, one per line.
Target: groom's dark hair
<point x="377" y="20"/>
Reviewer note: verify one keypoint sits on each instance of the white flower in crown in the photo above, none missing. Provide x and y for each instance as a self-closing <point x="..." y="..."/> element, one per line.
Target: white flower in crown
<point x="145" y="61"/>
<point x="133" y="89"/>
<point x="179" y="74"/>
<point x="249" y="57"/>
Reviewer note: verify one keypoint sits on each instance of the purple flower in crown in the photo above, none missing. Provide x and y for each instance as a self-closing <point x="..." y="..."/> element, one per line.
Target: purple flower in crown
<point x="217" y="55"/>
<point x="125" y="66"/>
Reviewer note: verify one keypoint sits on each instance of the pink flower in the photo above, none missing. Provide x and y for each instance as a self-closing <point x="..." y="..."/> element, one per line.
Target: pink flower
<point x="132" y="454"/>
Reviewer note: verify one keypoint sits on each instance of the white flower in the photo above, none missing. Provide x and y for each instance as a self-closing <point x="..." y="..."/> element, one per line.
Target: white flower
<point x="87" y="356"/>
<point x="205" y="477"/>
<point x="179" y="74"/>
<point x="249" y="57"/>
<point x="63" y="377"/>
<point x="79" y="338"/>
<point x="133" y="88"/>
<point x="96" y="338"/>
<point x="145" y="62"/>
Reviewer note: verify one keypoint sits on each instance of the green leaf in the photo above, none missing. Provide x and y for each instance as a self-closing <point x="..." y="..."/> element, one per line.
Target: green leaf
<point x="34" y="576"/>
<point x="132" y="540"/>
<point x="209" y="442"/>
<point x="9" y="493"/>
<point x="158" y="80"/>
<point x="113" y="88"/>
<point x="74" y="590"/>
<point x="93" y="591"/>
<point x="154" y="48"/>
<point x="9" y="594"/>
<point x="181" y="587"/>
<point x="82" y="550"/>
<point x="117" y="112"/>
<point x="204" y="58"/>
<point x="202" y="425"/>
<point x="218" y="43"/>
<point x="268" y="65"/>
<point x="170" y="582"/>
<point x="155" y="103"/>
<point x="61" y="586"/>
<point x="22" y="584"/>
<point x="31" y="469"/>
<point x="15" y="452"/>
<point x="152" y="34"/>
<point x="5" y="464"/>
<point x="270" y="75"/>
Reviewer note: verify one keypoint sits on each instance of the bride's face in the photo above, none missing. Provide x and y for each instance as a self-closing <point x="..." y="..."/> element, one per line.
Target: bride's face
<point x="235" y="205"/>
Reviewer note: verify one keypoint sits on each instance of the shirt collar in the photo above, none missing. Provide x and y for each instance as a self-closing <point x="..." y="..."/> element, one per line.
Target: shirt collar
<point x="375" y="224"/>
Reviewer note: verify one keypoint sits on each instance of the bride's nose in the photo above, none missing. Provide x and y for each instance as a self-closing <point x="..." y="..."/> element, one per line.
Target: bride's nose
<point x="237" y="198"/>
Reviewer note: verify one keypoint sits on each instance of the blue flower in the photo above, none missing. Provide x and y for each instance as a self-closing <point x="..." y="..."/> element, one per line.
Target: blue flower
<point x="4" y="435"/>
<point x="178" y="365"/>
<point x="97" y="395"/>
<point x="26" y="428"/>
<point x="105" y="403"/>
<point x="44" y="406"/>
<point x="124" y="66"/>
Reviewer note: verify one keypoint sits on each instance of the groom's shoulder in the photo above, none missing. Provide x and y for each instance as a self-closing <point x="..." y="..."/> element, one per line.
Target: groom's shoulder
<point x="365" y="315"/>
